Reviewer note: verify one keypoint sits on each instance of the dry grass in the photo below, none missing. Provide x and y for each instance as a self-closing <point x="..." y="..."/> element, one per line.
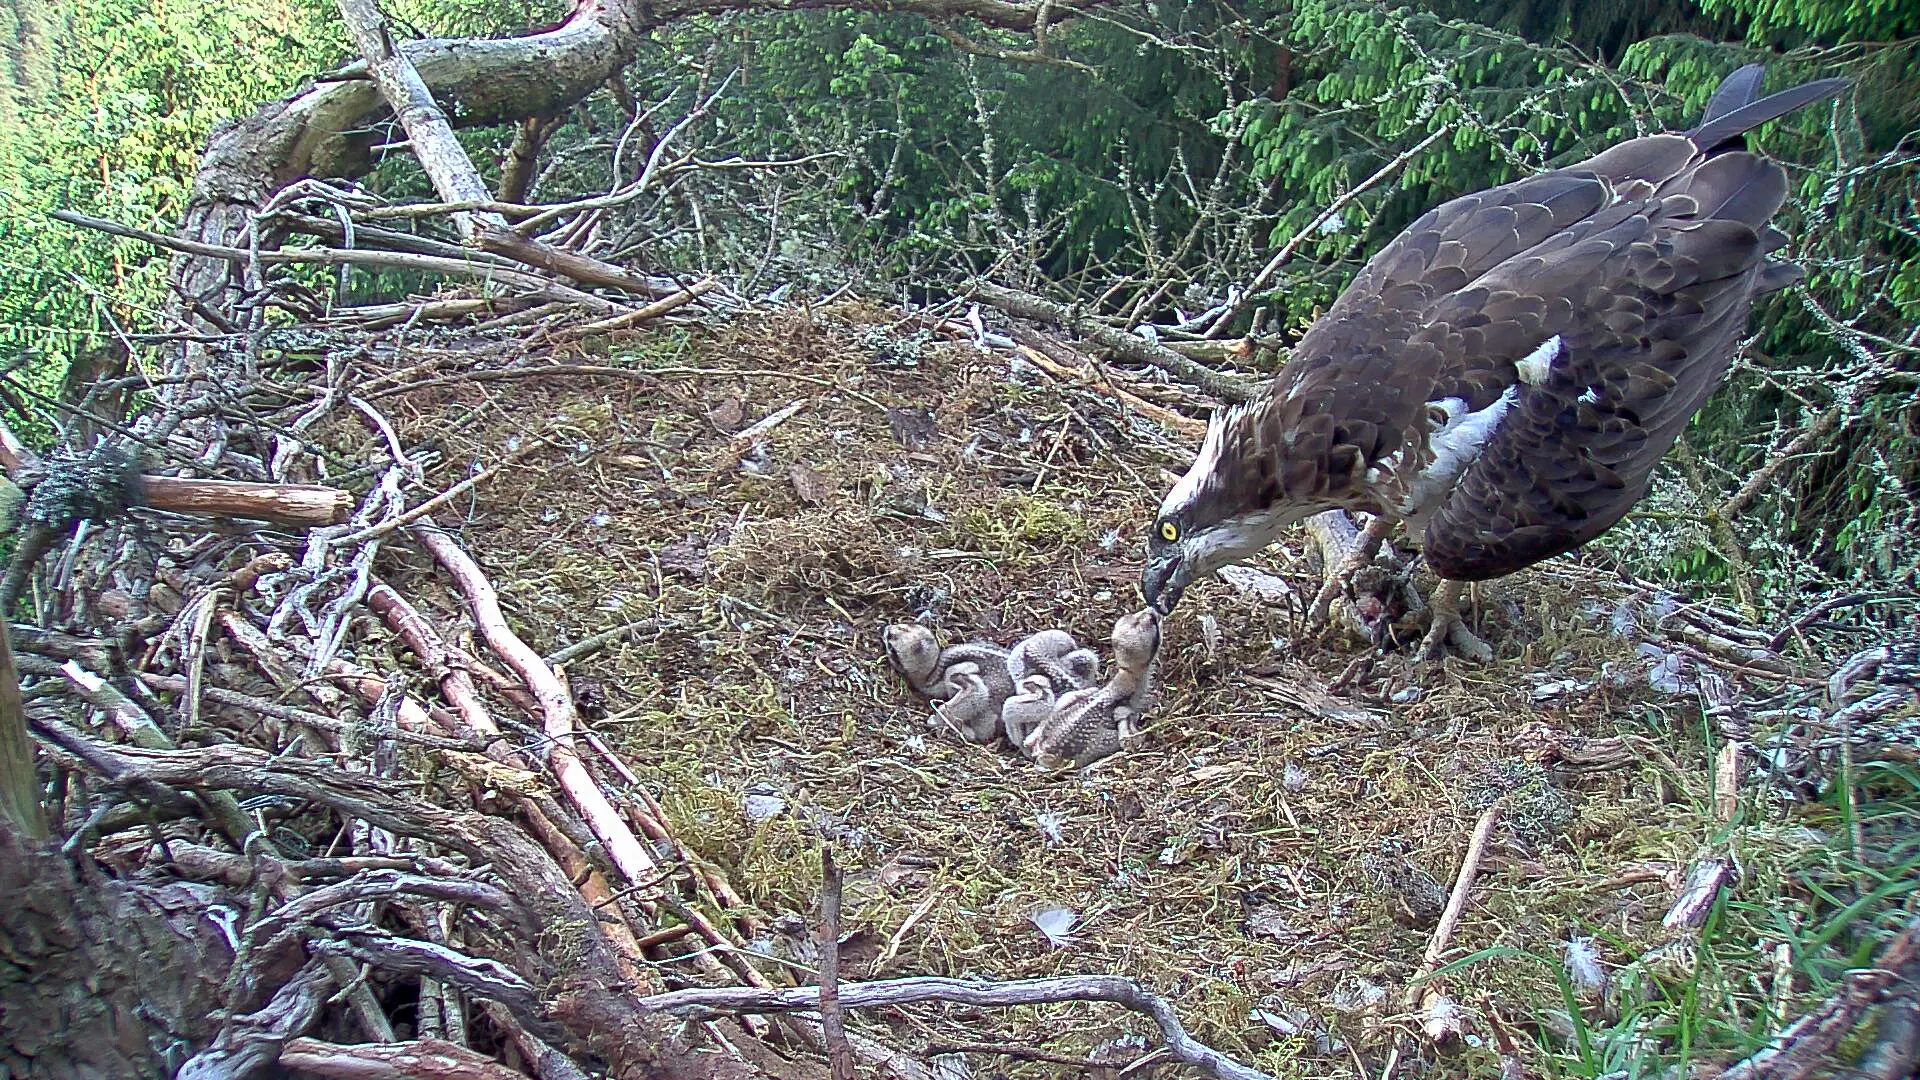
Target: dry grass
<point x="1233" y="861"/>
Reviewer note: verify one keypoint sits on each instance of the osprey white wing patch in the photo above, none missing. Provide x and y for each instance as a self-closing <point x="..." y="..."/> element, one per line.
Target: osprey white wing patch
<point x="1538" y="364"/>
<point x="1456" y="444"/>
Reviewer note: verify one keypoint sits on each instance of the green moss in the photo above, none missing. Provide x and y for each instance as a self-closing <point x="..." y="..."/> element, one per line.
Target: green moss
<point x="1017" y="525"/>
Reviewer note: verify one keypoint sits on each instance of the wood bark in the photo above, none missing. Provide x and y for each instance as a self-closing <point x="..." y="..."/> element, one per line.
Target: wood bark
<point x="19" y="788"/>
<point x="101" y="978"/>
<point x="296" y="505"/>
<point x="422" y="1059"/>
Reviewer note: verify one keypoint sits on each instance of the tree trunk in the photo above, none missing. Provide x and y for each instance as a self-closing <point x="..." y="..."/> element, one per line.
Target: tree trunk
<point x="19" y="786"/>
<point x="326" y="131"/>
<point x="102" y="979"/>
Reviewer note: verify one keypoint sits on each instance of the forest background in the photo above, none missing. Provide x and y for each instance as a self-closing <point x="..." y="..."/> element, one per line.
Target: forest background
<point x="1209" y="175"/>
<point x="1145" y="160"/>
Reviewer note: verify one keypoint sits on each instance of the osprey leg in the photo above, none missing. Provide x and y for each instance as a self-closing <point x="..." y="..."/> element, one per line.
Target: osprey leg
<point x="1449" y="629"/>
<point x="1371" y="608"/>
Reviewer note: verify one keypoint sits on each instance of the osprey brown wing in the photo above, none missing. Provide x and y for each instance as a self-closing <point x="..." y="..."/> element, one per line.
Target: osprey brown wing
<point x="1648" y="299"/>
<point x="1356" y="388"/>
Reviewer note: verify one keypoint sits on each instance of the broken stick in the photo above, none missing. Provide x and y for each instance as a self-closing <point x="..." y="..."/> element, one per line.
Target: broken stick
<point x="296" y="505"/>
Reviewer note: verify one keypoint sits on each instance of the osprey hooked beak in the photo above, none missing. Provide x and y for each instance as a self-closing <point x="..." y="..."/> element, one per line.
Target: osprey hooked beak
<point x="1165" y="577"/>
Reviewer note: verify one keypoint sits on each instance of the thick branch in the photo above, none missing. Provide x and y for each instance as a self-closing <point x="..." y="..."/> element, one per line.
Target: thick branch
<point x="1003" y="14"/>
<point x="428" y="130"/>
<point x="249" y="1043"/>
<point x="329" y="131"/>
<point x="1116" y="989"/>
<point x="586" y="989"/>
<point x="556" y="706"/>
<point x="19" y="789"/>
<point x="296" y="505"/>
<point x="1124" y="345"/>
<point x="423" y="1059"/>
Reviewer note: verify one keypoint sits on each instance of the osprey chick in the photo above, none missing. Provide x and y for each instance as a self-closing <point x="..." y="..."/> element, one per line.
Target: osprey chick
<point x="1504" y="375"/>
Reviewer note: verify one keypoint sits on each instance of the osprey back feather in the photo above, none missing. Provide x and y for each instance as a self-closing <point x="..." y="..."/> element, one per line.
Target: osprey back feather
<point x="1504" y="375"/>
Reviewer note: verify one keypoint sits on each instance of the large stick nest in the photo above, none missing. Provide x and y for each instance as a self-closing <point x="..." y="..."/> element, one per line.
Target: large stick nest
<point x="706" y="525"/>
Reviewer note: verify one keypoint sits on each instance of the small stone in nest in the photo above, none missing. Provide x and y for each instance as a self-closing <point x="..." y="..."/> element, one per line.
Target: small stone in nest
<point x="96" y="486"/>
<point x="1536" y="811"/>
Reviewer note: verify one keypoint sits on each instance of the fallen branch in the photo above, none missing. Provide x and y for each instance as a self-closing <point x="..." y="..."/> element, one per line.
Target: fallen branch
<point x="374" y="532"/>
<point x="298" y="505"/>
<point x="422" y="1059"/>
<point x="557" y="712"/>
<point x="385" y="885"/>
<point x="291" y="714"/>
<point x="1703" y="883"/>
<point x="1462" y="888"/>
<point x="1160" y="414"/>
<point x="652" y="311"/>
<point x="833" y="1024"/>
<point x="248" y="1043"/>
<point x="478" y="976"/>
<point x="1124" y="345"/>
<point x="707" y="1003"/>
<point x="1423" y="989"/>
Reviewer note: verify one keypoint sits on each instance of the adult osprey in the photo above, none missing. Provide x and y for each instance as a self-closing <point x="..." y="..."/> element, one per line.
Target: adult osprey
<point x="1505" y="374"/>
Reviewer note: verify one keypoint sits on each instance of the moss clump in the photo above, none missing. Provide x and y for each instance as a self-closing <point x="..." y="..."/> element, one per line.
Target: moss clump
<point x="1017" y="525"/>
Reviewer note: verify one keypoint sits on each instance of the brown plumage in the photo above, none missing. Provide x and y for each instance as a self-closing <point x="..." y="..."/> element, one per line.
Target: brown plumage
<point x="1505" y="374"/>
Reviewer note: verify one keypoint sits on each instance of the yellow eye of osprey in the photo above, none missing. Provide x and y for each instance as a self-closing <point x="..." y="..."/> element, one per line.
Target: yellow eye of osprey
<point x="1169" y="531"/>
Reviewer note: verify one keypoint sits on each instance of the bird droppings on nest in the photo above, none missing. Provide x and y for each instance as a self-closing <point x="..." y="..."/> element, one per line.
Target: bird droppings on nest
<point x="766" y="719"/>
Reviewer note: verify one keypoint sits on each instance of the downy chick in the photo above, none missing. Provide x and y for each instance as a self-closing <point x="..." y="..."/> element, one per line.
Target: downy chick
<point x="1092" y="723"/>
<point x="1054" y="654"/>
<point x="975" y="707"/>
<point x="968" y="681"/>
<point x="1031" y="705"/>
<point x="1043" y="666"/>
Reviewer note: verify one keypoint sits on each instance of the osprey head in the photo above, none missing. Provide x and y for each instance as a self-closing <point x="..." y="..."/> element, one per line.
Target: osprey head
<point x="1220" y="512"/>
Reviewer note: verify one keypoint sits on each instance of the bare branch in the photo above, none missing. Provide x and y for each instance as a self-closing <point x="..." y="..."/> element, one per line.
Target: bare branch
<point x="1037" y="55"/>
<point x="1286" y="252"/>
<point x="1126" y="346"/>
<point x="1111" y="988"/>
<point x="336" y="257"/>
<point x="833" y="1023"/>
<point x="421" y="1059"/>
